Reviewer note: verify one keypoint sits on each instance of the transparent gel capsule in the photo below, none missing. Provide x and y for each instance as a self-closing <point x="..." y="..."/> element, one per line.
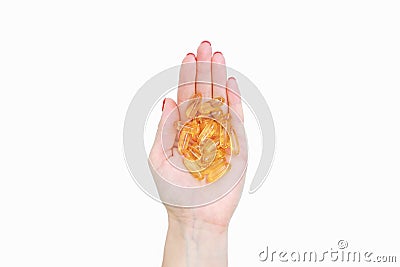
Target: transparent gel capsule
<point x="194" y="106"/>
<point x="194" y="141"/>
<point x="208" y="130"/>
<point x="190" y="128"/>
<point x="207" y="146"/>
<point x="187" y="155"/>
<point x="179" y="125"/>
<point x="217" y="114"/>
<point x="215" y="134"/>
<point x="183" y="142"/>
<point x="219" y="154"/>
<point x="218" y="101"/>
<point x="223" y="134"/>
<point x="194" y="152"/>
<point x="198" y="175"/>
<point x="217" y="171"/>
<point x="208" y="151"/>
<point x="206" y="108"/>
<point x="193" y="168"/>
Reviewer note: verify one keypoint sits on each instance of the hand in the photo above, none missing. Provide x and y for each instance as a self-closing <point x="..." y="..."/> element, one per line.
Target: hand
<point x="208" y="71"/>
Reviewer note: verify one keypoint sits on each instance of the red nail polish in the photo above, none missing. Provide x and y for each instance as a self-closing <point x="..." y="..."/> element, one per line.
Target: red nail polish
<point x="217" y="52"/>
<point x="205" y="41"/>
<point x="163" y="103"/>
<point x="190" y="54"/>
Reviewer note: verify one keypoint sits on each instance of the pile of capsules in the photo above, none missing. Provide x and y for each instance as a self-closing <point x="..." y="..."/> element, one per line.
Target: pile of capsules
<point x="207" y="138"/>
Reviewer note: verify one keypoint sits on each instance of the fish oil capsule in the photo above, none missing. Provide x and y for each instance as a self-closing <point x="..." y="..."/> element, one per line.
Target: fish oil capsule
<point x="187" y="155"/>
<point x="202" y="123"/>
<point x="194" y="106"/>
<point x="208" y="151"/>
<point x="205" y="140"/>
<point x="223" y="134"/>
<point x="179" y="125"/>
<point x="218" y="101"/>
<point x="183" y="142"/>
<point x="235" y="149"/>
<point x="198" y="175"/>
<point x="194" y="152"/>
<point x="193" y="168"/>
<point x="217" y="114"/>
<point x="206" y="160"/>
<point x="207" y="146"/>
<point x="211" y="166"/>
<point x="216" y="163"/>
<point x="217" y="171"/>
<point x="208" y="130"/>
<point x="215" y="133"/>
<point x="206" y="108"/>
<point x="190" y="129"/>
<point x="219" y="154"/>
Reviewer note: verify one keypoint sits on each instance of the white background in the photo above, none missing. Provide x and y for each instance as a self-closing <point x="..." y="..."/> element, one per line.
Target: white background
<point x="68" y="71"/>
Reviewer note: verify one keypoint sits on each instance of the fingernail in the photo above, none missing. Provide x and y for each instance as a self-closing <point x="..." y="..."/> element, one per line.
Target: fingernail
<point x="163" y="103"/>
<point x="205" y="41"/>
<point x="217" y="52"/>
<point x="190" y="54"/>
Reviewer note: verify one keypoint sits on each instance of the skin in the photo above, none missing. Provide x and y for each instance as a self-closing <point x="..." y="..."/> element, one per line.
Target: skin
<point x="197" y="236"/>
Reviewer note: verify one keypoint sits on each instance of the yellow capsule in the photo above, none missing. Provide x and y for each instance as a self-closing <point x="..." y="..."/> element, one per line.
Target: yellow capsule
<point x="207" y="131"/>
<point x="217" y="114"/>
<point x="197" y="128"/>
<point x="194" y="152"/>
<point x="194" y="141"/>
<point x="218" y="101"/>
<point x="216" y="163"/>
<point x="223" y="134"/>
<point x="193" y="168"/>
<point x="219" y="154"/>
<point x="194" y="106"/>
<point x="183" y="142"/>
<point x="204" y="141"/>
<point x="217" y="171"/>
<point x="208" y="150"/>
<point x="206" y="108"/>
<point x="187" y="155"/>
<point x="235" y="148"/>
<point x="210" y="167"/>
<point x="215" y="134"/>
<point x="198" y="175"/>
<point x="207" y="146"/>
<point x="190" y="129"/>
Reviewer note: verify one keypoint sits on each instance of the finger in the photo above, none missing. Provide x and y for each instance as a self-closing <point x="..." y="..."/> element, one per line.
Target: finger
<point x="203" y="71"/>
<point x="234" y="98"/>
<point x="236" y="111"/>
<point x="187" y="78"/>
<point x="166" y="133"/>
<point x="218" y="74"/>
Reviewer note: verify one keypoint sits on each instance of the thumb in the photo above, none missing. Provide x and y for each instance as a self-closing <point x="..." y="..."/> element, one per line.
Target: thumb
<point x="166" y="133"/>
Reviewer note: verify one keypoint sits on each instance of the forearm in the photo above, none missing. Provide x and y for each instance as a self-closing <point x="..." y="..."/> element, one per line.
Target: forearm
<point x="195" y="244"/>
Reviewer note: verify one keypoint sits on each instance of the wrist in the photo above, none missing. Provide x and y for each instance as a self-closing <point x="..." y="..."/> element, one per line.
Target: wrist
<point x="196" y="242"/>
<point x="193" y="225"/>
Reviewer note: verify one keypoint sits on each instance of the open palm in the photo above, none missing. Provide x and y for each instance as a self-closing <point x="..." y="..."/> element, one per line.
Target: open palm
<point x="206" y="74"/>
